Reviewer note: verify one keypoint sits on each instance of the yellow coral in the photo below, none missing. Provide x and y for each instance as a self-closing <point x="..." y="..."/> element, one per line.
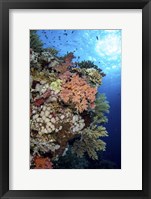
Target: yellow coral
<point x="90" y="142"/>
<point x="56" y="85"/>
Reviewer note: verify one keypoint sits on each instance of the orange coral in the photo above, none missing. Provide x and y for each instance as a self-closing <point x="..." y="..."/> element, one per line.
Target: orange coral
<point x="63" y="67"/>
<point x="78" y="92"/>
<point x="69" y="58"/>
<point x="42" y="163"/>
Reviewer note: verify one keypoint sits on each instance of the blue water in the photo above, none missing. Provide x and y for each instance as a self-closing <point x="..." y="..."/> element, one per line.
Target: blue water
<point x="103" y="47"/>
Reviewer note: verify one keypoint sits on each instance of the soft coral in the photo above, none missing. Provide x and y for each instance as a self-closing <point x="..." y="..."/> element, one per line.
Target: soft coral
<point x="63" y="67"/>
<point x="78" y="92"/>
<point x="42" y="163"/>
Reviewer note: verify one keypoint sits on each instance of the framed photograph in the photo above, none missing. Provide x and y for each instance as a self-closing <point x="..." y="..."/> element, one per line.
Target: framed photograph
<point x="75" y="99"/>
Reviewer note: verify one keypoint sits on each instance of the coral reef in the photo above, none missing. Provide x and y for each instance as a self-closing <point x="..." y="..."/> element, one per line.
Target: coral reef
<point x="53" y="51"/>
<point x="42" y="163"/>
<point x="66" y="113"/>
<point x="92" y="76"/>
<point x="90" y="142"/>
<point x="35" y="42"/>
<point x="89" y="65"/>
<point x="101" y="107"/>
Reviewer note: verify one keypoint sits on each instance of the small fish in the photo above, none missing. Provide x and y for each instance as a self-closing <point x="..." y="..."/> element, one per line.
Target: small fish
<point x="65" y="34"/>
<point x="97" y="38"/>
<point x="72" y="32"/>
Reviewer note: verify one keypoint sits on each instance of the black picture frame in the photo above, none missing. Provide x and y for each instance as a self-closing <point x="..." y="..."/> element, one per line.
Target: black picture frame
<point x="5" y="5"/>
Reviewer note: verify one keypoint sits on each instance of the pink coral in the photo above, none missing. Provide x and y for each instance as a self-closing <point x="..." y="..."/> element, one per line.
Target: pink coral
<point x="65" y="76"/>
<point x="46" y="94"/>
<point x="78" y="92"/>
